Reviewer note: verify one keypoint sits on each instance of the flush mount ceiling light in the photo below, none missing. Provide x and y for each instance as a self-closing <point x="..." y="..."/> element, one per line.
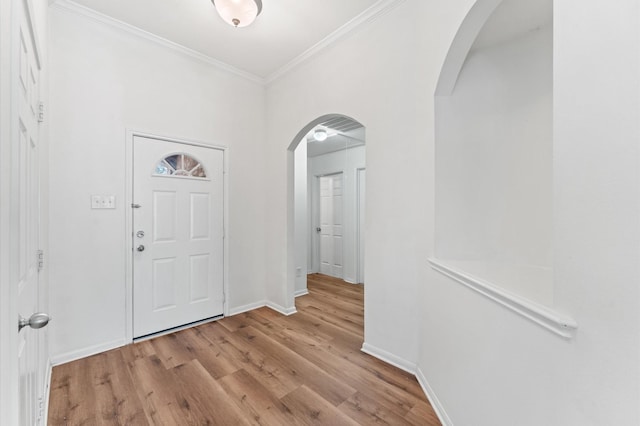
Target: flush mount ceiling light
<point x="238" y="13"/>
<point x="320" y="135"/>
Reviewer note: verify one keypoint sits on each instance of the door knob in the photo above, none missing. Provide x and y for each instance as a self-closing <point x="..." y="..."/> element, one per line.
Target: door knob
<point x="36" y="321"/>
<point x="140" y="248"/>
<point x="318" y="229"/>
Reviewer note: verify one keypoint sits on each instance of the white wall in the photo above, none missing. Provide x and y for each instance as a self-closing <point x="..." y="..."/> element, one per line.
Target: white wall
<point x="494" y="166"/>
<point x="392" y="97"/>
<point x="484" y="364"/>
<point x="490" y="367"/>
<point x="347" y="162"/>
<point x="104" y="82"/>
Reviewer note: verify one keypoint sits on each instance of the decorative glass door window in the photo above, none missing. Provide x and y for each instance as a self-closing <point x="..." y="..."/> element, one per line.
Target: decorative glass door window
<point x="180" y="165"/>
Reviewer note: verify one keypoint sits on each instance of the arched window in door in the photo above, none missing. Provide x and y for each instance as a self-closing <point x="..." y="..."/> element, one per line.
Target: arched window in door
<point x="180" y="165"/>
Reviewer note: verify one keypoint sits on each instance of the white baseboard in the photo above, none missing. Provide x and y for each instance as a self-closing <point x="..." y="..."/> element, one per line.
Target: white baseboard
<point x="246" y="308"/>
<point x="433" y="399"/>
<point x="389" y="358"/>
<point x="280" y="309"/>
<point x="412" y="368"/>
<point x="302" y="292"/>
<point x="85" y="352"/>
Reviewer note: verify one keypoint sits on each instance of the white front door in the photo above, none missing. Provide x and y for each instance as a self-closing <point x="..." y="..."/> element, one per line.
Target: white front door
<point x="177" y="234"/>
<point x="25" y="220"/>
<point x="331" y="225"/>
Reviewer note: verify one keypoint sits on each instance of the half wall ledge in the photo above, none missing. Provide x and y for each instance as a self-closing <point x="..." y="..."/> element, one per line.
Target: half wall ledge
<point x="554" y="321"/>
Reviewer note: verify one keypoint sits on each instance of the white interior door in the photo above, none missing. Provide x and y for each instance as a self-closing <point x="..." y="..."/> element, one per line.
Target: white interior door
<point x="177" y="234"/>
<point x="331" y="225"/>
<point x="25" y="219"/>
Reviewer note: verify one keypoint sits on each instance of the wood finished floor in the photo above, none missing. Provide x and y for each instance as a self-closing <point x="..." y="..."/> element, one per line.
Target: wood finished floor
<point x="255" y="368"/>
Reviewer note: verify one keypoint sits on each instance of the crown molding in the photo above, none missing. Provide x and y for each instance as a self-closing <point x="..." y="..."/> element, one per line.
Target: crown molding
<point x="374" y="12"/>
<point x="70" y="6"/>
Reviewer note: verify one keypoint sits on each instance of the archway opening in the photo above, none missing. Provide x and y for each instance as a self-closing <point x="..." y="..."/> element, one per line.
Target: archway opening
<point x="326" y="202"/>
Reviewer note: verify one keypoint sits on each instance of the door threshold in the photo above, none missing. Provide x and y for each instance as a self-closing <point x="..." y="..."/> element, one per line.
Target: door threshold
<point x="176" y="329"/>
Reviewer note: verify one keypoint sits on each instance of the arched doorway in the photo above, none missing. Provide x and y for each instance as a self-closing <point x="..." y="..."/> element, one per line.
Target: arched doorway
<point x="327" y="173"/>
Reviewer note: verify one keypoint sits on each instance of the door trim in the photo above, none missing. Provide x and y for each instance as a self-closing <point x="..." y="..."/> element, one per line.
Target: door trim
<point x="131" y="134"/>
<point x="360" y="209"/>
<point x="315" y="220"/>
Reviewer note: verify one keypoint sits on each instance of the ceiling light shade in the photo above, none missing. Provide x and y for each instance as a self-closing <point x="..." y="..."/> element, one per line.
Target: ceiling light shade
<point x="238" y="13"/>
<point x="320" y="135"/>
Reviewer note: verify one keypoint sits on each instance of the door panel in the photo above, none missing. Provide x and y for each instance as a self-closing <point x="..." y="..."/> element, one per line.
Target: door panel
<point x="331" y="225"/>
<point x="25" y="220"/>
<point x="178" y="261"/>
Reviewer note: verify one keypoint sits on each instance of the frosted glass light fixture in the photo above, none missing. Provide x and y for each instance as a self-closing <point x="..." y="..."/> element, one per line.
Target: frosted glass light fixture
<point x="238" y="13"/>
<point x="320" y="135"/>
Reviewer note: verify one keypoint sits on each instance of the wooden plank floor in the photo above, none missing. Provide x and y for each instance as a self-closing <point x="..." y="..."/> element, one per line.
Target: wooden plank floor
<point x="255" y="368"/>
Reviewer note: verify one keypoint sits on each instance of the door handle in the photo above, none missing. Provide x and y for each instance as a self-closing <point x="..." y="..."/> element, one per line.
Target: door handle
<point x="36" y="321"/>
<point x="140" y="248"/>
<point x="318" y="229"/>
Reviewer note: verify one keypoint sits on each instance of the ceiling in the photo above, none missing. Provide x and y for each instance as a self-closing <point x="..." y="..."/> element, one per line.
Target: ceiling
<point x="282" y="33"/>
<point x="342" y="132"/>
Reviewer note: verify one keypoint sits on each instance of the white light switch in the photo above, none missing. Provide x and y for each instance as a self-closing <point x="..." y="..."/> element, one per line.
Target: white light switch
<point x="103" y="201"/>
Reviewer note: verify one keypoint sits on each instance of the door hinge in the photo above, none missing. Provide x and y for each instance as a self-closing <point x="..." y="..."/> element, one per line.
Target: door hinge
<point x="40" y="260"/>
<point x="40" y="112"/>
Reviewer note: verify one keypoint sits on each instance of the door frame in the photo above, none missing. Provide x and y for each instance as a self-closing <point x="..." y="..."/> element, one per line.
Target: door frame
<point x="315" y="211"/>
<point x="9" y="402"/>
<point x="128" y="247"/>
<point x="360" y="211"/>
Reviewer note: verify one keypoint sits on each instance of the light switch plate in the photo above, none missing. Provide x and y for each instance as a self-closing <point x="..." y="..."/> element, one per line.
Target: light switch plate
<point x="103" y="201"/>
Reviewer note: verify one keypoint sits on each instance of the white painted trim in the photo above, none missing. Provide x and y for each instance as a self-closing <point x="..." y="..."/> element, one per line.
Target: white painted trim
<point x="282" y="310"/>
<point x="433" y="399"/>
<point x="86" y="352"/>
<point x="247" y="308"/>
<point x="128" y="191"/>
<point x="9" y="401"/>
<point x="378" y="9"/>
<point x="359" y="225"/>
<point x="411" y="368"/>
<point x="389" y="358"/>
<point x="372" y="13"/>
<point x="550" y="319"/>
<point x="47" y="392"/>
<point x="128" y="236"/>
<point x="302" y="292"/>
<point x="257" y="305"/>
<point x="72" y="7"/>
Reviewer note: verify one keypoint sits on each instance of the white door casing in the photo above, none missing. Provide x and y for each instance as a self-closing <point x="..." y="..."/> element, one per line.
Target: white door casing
<point x="331" y="225"/>
<point x="362" y="184"/>
<point x="178" y="257"/>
